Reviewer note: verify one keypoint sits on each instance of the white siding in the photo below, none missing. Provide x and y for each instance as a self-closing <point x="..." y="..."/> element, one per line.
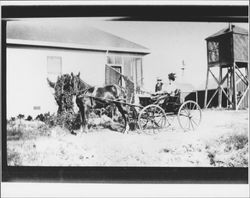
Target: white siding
<point x="27" y="72"/>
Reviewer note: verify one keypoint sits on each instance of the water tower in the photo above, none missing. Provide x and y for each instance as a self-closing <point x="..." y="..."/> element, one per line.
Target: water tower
<point x="227" y="52"/>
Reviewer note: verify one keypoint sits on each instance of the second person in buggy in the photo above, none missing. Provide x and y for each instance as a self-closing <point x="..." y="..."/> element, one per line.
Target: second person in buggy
<point x="169" y="96"/>
<point x="163" y="88"/>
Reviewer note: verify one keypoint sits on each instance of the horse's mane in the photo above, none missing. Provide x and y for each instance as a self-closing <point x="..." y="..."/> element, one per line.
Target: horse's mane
<point x="84" y="83"/>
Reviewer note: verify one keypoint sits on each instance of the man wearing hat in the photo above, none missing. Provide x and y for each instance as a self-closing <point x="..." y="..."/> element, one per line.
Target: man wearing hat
<point x="159" y="84"/>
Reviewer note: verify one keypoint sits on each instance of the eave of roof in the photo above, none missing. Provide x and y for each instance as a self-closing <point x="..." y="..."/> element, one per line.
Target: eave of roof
<point x="74" y="46"/>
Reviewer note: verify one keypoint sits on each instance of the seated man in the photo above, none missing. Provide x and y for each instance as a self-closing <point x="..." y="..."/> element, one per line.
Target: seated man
<point x="158" y="86"/>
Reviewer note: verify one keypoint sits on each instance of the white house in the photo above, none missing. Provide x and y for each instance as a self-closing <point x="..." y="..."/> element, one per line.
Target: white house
<point x="37" y="50"/>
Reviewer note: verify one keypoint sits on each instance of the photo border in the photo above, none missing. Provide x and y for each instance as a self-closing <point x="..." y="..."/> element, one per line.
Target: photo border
<point x="183" y="175"/>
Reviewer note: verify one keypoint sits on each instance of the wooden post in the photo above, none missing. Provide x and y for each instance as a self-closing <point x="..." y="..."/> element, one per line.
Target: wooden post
<point x="231" y="86"/>
<point x="228" y="85"/>
<point x="220" y="89"/>
<point x="246" y="72"/>
<point x="196" y="96"/>
<point x="205" y="100"/>
<point x="234" y="89"/>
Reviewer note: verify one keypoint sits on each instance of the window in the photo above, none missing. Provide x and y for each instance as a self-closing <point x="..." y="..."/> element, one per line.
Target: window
<point x="54" y="65"/>
<point x="213" y="51"/>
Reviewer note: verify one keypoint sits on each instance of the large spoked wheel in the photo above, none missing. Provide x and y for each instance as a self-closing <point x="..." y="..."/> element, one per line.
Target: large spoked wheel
<point x="152" y="118"/>
<point x="189" y="115"/>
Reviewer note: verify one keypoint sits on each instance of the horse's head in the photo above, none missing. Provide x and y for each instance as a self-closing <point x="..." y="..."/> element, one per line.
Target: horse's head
<point x="78" y="84"/>
<point x="75" y="82"/>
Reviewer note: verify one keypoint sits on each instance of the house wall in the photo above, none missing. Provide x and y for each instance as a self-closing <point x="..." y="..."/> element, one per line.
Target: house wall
<point x="27" y="86"/>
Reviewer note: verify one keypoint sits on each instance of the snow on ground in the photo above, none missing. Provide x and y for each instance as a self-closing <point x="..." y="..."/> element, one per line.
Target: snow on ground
<point x="209" y="145"/>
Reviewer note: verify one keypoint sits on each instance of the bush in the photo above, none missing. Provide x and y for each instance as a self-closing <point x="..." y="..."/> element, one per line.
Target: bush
<point x="69" y="120"/>
<point x="29" y="118"/>
<point x="14" y="133"/>
<point x="20" y="116"/>
<point x="229" y="151"/>
<point x="40" y="117"/>
<point x="13" y="158"/>
<point x="237" y="141"/>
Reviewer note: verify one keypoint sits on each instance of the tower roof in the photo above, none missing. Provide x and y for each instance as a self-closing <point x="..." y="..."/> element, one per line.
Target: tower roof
<point x="234" y="29"/>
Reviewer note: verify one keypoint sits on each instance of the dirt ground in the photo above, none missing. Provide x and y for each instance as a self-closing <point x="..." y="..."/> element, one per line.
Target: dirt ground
<point x="221" y="140"/>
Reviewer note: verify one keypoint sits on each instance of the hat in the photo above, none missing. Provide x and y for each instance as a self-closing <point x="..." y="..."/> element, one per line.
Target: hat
<point x="159" y="79"/>
<point x="172" y="76"/>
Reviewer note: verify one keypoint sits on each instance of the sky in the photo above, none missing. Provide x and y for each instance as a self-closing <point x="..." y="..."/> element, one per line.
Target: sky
<point x="170" y="43"/>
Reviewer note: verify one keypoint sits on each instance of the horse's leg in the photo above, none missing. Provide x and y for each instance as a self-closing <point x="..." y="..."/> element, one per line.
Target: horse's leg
<point x="82" y="118"/>
<point x="86" y="118"/>
<point x="123" y="112"/>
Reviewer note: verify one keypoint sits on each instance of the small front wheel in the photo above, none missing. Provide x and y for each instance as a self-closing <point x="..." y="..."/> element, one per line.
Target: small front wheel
<point x="152" y="117"/>
<point x="189" y="115"/>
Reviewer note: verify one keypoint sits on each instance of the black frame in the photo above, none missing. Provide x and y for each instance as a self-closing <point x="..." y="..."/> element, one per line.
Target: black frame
<point x="119" y="174"/>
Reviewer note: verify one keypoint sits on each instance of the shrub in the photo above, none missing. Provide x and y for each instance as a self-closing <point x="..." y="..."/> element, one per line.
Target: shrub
<point x="40" y="117"/>
<point x="14" y="133"/>
<point x="12" y="119"/>
<point x="20" y="116"/>
<point x="66" y="119"/>
<point x="69" y="120"/>
<point x="237" y="141"/>
<point x="29" y="118"/>
<point x="13" y="158"/>
<point x="229" y="151"/>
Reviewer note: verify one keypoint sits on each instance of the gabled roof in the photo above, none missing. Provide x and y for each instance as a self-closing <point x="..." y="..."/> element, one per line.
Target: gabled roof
<point x="234" y="29"/>
<point x="68" y="35"/>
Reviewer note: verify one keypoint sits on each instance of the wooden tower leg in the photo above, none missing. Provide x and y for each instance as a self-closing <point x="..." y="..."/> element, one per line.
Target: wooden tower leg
<point x="234" y="89"/>
<point x="220" y="90"/>
<point x="205" y="100"/>
<point x="228" y="86"/>
<point x="246" y="72"/>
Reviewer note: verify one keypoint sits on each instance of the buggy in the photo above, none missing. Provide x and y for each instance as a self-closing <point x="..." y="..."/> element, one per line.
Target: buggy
<point x="156" y="112"/>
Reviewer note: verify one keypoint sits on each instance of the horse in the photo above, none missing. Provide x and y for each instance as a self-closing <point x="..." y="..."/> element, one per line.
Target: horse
<point x="95" y="97"/>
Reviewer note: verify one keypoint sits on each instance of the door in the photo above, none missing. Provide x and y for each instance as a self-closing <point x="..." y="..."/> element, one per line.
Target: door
<point x="112" y="75"/>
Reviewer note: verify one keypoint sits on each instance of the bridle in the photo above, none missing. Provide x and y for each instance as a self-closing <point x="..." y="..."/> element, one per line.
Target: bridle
<point x="77" y="91"/>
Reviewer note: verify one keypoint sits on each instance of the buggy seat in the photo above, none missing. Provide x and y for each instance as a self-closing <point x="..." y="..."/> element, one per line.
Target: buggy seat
<point x="166" y="96"/>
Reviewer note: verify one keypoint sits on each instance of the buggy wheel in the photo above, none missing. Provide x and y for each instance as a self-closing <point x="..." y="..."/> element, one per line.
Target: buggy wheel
<point x="189" y="115"/>
<point x="152" y="117"/>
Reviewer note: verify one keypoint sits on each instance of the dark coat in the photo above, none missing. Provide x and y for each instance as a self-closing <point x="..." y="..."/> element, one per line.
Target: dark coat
<point x="158" y="86"/>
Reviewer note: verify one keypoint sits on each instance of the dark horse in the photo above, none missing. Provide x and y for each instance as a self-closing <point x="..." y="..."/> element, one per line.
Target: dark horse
<point x="88" y="98"/>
